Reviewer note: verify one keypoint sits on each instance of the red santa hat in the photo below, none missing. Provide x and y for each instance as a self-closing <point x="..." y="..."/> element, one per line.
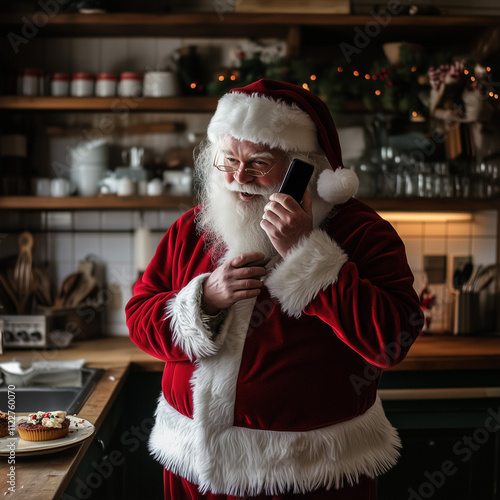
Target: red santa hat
<point x="288" y="117"/>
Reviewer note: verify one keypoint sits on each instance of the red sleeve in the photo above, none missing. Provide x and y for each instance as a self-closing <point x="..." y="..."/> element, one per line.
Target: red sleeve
<point x="372" y="306"/>
<point x="354" y="276"/>
<point x="179" y="258"/>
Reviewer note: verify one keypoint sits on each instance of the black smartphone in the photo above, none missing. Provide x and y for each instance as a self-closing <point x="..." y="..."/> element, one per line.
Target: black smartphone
<point x="296" y="179"/>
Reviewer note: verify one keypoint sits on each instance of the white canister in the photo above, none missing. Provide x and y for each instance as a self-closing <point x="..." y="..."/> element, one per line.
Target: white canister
<point x="106" y="85"/>
<point x="41" y="186"/>
<point x="161" y="84"/>
<point x="155" y="187"/>
<point x="28" y="82"/>
<point x="59" y="84"/>
<point x="82" y="85"/>
<point x="125" y="187"/>
<point x="130" y="84"/>
<point x="59" y="187"/>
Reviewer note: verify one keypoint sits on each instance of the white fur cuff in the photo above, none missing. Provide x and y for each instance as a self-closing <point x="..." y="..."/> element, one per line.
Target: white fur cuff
<point x="190" y="326"/>
<point x="308" y="268"/>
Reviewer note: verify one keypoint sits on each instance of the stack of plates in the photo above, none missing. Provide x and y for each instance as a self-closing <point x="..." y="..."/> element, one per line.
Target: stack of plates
<point x="89" y="163"/>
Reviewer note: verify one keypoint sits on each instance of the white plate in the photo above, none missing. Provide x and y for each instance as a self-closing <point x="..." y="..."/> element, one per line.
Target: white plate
<point x="79" y="430"/>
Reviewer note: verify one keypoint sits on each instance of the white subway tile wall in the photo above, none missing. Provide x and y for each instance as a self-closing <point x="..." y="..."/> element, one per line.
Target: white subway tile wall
<point x="477" y="238"/>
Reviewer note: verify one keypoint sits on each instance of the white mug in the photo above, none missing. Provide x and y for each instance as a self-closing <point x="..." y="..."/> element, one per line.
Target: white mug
<point x="160" y="84"/>
<point x="155" y="187"/>
<point x="59" y="187"/>
<point x="125" y="187"/>
<point x="41" y="186"/>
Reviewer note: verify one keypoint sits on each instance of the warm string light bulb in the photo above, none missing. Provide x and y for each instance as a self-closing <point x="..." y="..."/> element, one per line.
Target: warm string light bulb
<point x="221" y="78"/>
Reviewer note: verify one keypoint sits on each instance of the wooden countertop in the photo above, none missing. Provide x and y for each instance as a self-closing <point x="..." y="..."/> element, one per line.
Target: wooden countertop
<point x="47" y="477"/>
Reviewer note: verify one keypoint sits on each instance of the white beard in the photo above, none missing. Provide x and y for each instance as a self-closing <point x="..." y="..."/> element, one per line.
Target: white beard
<point x="232" y="224"/>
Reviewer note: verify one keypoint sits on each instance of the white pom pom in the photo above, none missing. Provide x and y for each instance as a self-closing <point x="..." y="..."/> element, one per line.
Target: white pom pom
<point x="337" y="186"/>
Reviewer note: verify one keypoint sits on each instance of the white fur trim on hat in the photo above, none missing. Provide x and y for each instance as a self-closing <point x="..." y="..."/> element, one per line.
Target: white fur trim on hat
<point x="262" y="120"/>
<point x="337" y="186"/>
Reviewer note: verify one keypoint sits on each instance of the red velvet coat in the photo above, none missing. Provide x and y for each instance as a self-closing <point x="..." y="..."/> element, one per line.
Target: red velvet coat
<point x="284" y="396"/>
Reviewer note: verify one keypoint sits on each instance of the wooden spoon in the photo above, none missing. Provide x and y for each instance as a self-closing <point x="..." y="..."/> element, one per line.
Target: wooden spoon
<point x="85" y="286"/>
<point x="66" y="287"/>
<point x="23" y="269"/>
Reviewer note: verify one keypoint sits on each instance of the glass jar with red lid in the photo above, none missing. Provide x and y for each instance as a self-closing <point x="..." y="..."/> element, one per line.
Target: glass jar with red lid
<point x="82" y="85"/>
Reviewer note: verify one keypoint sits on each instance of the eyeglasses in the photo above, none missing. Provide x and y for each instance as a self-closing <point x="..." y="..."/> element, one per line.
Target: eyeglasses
<point x="226" y="163"/>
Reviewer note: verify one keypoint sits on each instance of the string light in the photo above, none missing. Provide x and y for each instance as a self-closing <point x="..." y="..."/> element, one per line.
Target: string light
<point x="491" y="94"/>
<point x="414" y="113"/>
<point x="496" y="96"/>
<point x="355" y="73"/>
<point x="367" y="76"/>
<point x="377" y="92"/>
<point x="488" y="69"/>
<point x="466" y="72"/>
<point x="340" y="69"/>
<point x="305" y="86"/>
<point x="233" y="78"/>
<point x="413" y="69"/>
<point x="193" y="85"/>
<point x="313" y="77"/>
<point x="221" y="78"/>
<point x="472" y="79"/>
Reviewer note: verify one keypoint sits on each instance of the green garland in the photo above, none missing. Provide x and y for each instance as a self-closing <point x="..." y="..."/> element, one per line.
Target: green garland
<point x="397" y="88"/>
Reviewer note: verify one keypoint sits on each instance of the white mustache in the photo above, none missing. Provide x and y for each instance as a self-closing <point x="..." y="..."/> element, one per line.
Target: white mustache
<point x="249" y="189"/>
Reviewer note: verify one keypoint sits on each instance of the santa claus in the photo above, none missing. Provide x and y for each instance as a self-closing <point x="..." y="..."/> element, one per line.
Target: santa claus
<point x="271" y="368"/>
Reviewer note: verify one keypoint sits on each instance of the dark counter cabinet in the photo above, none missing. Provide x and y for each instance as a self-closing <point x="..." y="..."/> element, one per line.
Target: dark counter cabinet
<point x="449" y="424"/>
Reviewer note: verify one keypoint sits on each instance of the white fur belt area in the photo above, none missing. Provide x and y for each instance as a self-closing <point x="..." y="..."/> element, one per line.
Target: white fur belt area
<point x="240" y="461"/>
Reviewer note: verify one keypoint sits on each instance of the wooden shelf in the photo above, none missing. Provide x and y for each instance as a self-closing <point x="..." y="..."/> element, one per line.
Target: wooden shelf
<point x="211" y="24"/>
<point x="110" y="202"/>
<point x="110" y="104"/>
<point x="135" y="104"/>
<point x="96" y="202"/>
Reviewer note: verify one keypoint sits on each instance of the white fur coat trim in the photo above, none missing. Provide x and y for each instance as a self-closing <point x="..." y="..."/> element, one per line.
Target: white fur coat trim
<point x="308" y="268"/>
<point x="263" y="120"/>
<point x="239" y="461"/>
<point x="190" y="330"/>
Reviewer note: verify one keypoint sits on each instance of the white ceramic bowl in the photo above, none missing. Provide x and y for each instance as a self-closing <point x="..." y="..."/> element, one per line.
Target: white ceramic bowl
<point x="86" y="178"/>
